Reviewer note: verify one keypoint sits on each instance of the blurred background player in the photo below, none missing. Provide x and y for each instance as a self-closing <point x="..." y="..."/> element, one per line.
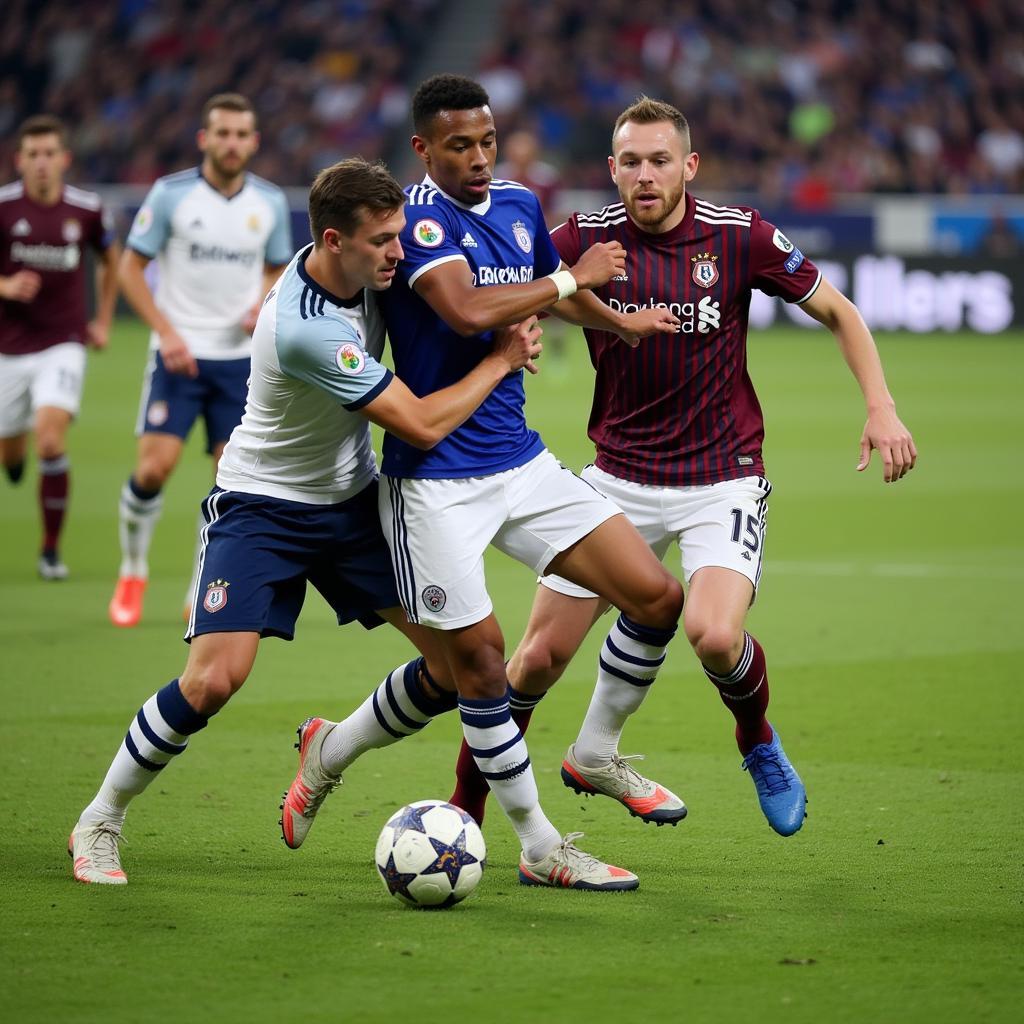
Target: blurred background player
<point x="296" y="502"/>
<point x="45" y="228"/>
<point x="678" y="431"/>
<point x="220" y="237"/>
<point x="478" y="256"/>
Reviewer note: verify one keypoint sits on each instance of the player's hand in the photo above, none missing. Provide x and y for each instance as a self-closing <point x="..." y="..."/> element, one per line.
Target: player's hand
<point x="885" y="432"/>
<point x="599" y="264"/>
<point x="97" y="335"/>
<point x="176" y="356"/>
<point x="22" y="286"/>
<point x="647" y="321"/>
<point x="519" y="345"/>
<point x="250" y="318"/>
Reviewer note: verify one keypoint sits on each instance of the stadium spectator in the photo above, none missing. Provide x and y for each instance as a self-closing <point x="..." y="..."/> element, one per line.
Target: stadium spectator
<point x="45" y="226"/>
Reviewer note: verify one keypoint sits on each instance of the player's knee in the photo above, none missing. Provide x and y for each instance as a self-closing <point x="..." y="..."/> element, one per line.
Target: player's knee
<point x="481" y="674"/>
<point x="152" y="472"/>
<point x="540" y="661"/>
<point x="210" y="686"/>
<point x="50" y="445"/>
<point x="714" y="643"/>
<point x="660" y="604"/>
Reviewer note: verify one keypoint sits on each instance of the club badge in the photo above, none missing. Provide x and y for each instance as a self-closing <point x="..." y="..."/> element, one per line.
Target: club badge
<point x="350" y="359"/>
<point x="71" y="231"/>
<point x="435" y="597"/>
<point x="216" y="596"/>
<point x="523" y="239"/>
<point x="705" y="269"/>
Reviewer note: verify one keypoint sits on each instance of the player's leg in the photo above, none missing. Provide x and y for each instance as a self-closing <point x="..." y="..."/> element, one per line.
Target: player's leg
<point x="557" y="626"/>
<point x="169" y="406"/>
<point x="218" y="664"/>
<point x="12" y="454"/>
<point x="437" y="531"/>
<point x="722" y="556"/>
<point x="54" y="486"/>
<point x="15" y="412"/>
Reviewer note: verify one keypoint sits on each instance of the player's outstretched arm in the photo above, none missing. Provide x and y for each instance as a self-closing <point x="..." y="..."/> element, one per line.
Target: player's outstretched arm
<point x="883" y="430"/>
<point x="424" y="422"/>
<point x="98" y="329"/>
<point x="449" y="290"/>
<point x="585" y="309"/>
<point x="21" y="286"/>
<point x="176" y="356"/>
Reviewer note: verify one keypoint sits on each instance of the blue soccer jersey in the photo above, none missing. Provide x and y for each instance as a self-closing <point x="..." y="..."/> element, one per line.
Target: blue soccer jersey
<point x="504" y="241"/>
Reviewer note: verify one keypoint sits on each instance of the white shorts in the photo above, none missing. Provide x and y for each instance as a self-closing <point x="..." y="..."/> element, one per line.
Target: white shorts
<point x="438" y="531"/>
<point x="719" y="524"/>
<point x="53" y="377"/>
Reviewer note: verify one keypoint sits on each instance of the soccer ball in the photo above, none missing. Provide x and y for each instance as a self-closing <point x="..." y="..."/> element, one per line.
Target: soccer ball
<point x="431" y="854"/>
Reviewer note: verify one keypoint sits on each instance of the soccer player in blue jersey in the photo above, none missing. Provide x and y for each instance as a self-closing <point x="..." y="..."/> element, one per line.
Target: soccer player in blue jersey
<point x="295" y="502"/>
<point x="220" y="237"/>
<point x="477" y="257"/>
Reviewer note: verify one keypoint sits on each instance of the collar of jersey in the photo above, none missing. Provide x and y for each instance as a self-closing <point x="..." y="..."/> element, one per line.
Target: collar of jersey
<point x="480" y="208"/>
<point x="300" y="267"/>
<point x="680" y="231"/>
<point x="213" y="188"/>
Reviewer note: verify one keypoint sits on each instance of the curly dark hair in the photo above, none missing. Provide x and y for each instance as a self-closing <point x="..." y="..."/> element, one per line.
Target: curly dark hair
<point x="445" y="92"/>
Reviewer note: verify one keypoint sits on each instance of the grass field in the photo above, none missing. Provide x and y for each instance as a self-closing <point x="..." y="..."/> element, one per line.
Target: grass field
<point x="891" y="620"/>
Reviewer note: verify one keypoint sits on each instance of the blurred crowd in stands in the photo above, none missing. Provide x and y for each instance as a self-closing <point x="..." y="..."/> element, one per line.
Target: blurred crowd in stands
<point x="798" y="100"/>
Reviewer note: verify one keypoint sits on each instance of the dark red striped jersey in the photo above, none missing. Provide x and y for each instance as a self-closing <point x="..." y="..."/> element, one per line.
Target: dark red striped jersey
<point x="680" y="409"/>
<point x="49" y="240"/>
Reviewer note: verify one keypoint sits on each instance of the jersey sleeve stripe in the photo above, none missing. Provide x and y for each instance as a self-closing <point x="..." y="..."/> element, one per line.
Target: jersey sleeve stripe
<point x="79" y="197"/>
<point x="435" y="263"/>
<point x="372" y="393"/>
<point x="814" y="288"/>
<point x="722" y="220"/>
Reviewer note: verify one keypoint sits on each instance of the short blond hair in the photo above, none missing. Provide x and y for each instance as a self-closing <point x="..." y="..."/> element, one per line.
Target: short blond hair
<point x="644" y="110"/>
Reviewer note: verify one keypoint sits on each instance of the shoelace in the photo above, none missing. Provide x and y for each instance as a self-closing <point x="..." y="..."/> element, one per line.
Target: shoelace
<point x="104" y="848"/>
<point x="768" y="772"/>
<point x="574" y="855"/>
<point x="320" y="794"/>
<point x="626" y="772"/>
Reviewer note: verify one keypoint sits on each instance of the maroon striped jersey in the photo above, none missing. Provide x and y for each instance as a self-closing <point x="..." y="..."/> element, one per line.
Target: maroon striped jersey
<point x="680" y="409"/>
<point x="49" y="240"/>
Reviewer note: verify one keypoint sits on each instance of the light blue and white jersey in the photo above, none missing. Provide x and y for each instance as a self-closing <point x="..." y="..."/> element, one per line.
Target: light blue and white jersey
<point x="504" y="241"/>
<point x="210" y="252"/>
<point x="315" y="361"/>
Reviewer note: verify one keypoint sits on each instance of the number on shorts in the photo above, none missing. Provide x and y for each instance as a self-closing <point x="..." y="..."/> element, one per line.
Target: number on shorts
<point x="752" y="539"/>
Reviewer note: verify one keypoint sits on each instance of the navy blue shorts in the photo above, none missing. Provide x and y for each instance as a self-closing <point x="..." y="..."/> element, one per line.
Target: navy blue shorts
<point x="258" y="553"/>
<point x="172" y="402"/>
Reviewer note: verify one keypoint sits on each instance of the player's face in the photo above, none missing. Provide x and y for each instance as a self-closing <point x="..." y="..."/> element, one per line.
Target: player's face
<point x="41" y="161"/>
<point x="650" y="166"/>
<point x="368" y="257"/>
<point x="229" y="141"/>
<point x="460" y="152"/>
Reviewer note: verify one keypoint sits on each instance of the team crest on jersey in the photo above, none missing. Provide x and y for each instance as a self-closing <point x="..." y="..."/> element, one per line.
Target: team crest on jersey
<point x="428" y="233"/>
<point x="157" y="413"/>
<point x="350" y="359"/>
<point x="71" y="230"/>
<point x="705" y="270"/>
<point x="21" y="228"/>
<point x="523" y="239"/>
<point x="216" y="596"/>
<point x="143" y="220"/>
<point x="435" y="597"/>
<point x="780" y="241"/>
<point x="253" y="222"/>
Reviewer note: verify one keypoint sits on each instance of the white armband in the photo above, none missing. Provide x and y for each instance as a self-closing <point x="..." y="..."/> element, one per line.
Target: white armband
<point x="564" y="282"/>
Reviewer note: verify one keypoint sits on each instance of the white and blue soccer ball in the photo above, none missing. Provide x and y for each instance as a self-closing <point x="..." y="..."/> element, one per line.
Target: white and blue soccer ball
<point x="431" y="854"/>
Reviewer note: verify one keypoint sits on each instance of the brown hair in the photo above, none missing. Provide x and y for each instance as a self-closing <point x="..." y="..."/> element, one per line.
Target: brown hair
<point x="644" y="110"/>
<point x="226" y="101"/>
<point x="43" y="124"/>
<point x="344" y="190"/>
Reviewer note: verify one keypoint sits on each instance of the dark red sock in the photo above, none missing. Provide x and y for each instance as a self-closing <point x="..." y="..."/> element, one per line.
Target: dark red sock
<point x="471" y="787"/>
<point x="54" y="484"/>
<point x="744" y="691"/>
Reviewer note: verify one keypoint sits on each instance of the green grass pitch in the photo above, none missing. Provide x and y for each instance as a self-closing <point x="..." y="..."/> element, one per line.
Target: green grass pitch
<point x="891" y="621"/>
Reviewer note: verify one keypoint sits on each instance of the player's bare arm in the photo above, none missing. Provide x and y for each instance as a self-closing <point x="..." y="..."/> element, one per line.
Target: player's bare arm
<point x="271" y="272"/>
<point x="585" y="309"/>
<point x="449" y="290"/>
<point x="173" y="350"/>
<point x="883" y="430"/>
<point x="22" y="286"/>
<point x="424" y="422"/>
<point x="98" y="329"/>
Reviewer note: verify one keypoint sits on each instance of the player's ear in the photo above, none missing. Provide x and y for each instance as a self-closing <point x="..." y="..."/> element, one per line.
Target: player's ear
<point x="332" y="240"/>
<point x="419" y="146"/>
<point x="255" y="141"/>
<point x="201" y="140"/>
<point x="611" y="168"/>
<point x="690" y="167"/>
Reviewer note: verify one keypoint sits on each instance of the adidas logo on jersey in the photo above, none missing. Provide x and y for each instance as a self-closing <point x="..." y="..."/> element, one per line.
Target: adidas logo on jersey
<point x="21" y="228"/>
<point x="469" y="241"/>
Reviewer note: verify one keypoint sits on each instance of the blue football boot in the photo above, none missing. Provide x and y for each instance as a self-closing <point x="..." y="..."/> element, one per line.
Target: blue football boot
<point x="779" y="789"/>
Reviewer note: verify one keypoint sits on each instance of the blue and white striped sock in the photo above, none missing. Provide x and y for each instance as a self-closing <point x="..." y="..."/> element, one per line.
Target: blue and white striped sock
<point x="398" y="708"/>
<point x="157" y="735"/>
<point x="500" y="753"/>
<point x="628" y="664"/>
<point x="138" y="513"/>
